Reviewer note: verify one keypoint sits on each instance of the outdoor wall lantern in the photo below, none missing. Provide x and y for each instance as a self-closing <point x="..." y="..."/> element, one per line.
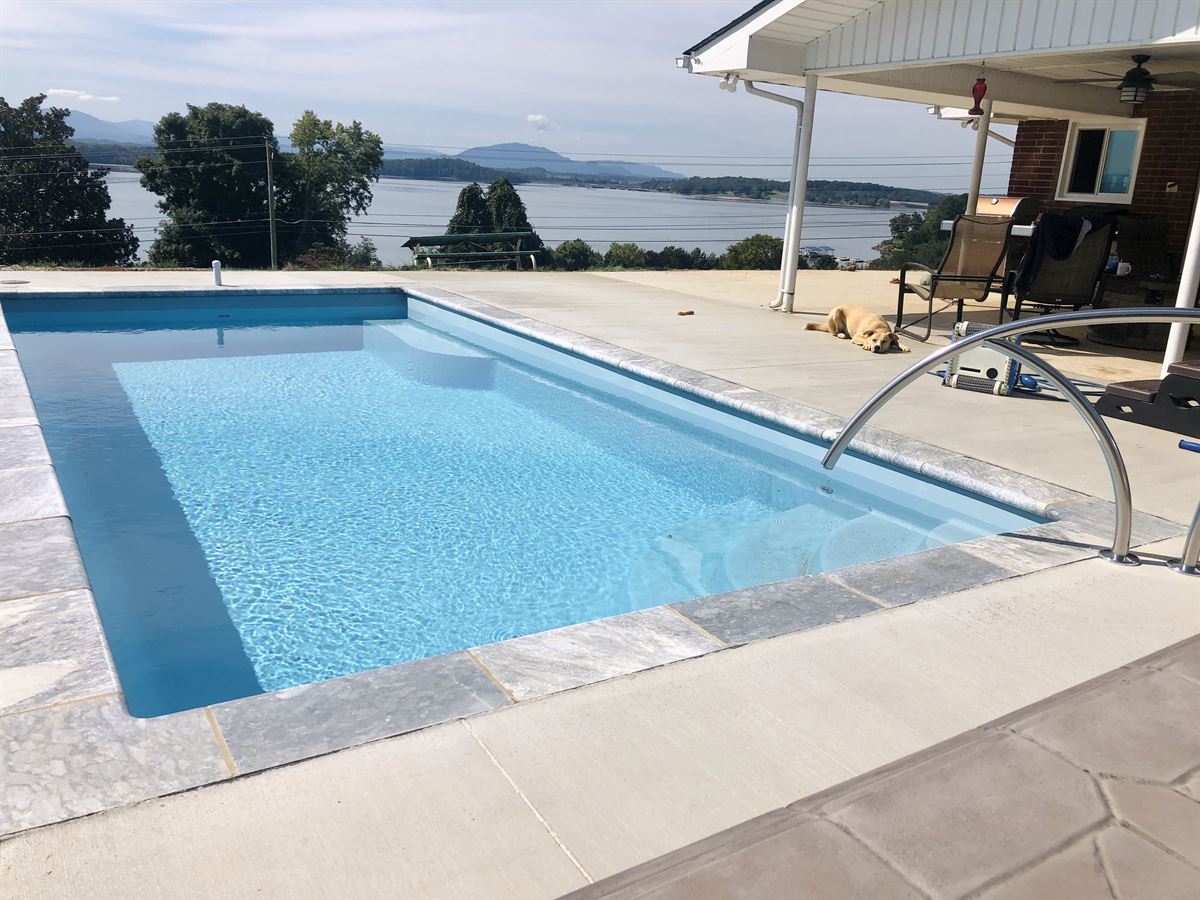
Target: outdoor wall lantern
<point x="1137" y="84"/>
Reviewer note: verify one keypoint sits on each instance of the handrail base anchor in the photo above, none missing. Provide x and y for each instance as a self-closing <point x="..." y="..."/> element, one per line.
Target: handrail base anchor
<point x="1129" y="559"/>
<point x="1178" y="565"/>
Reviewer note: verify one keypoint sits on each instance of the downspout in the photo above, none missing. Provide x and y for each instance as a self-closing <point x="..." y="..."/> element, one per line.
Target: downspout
<point x="1185" y="298"/>
<point x="796" y="190"/>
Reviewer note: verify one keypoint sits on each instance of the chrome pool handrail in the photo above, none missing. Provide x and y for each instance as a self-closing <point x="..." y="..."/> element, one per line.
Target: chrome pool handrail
<point x="1122" y="493"/>
<point x="1119" y="552"/>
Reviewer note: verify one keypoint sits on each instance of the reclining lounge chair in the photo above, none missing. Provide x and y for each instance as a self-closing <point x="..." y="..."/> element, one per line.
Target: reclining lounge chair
<point x="1051" y="284"/>
<point x="966" y="272"/>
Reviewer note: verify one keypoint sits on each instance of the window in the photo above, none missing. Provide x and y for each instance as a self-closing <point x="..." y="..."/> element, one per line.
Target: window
<point x="1100" y="162"/>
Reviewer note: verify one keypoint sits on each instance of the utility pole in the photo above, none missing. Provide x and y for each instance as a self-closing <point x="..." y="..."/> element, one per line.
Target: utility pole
<point x="271" y="204"/>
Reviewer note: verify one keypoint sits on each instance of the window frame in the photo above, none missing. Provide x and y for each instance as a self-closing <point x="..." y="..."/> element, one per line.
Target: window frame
<point x="1068" y="159"/>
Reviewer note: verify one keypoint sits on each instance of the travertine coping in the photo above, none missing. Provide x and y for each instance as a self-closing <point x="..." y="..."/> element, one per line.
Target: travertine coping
<point x="73" y="749"/>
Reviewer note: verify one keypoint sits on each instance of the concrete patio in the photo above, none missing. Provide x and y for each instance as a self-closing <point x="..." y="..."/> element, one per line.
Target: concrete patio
<point x="546" y="796"/>
<point x="1075" y="796"/>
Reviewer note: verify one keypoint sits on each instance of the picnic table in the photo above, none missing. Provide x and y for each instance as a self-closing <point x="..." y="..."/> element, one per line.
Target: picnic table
<point x="471" y="248"/>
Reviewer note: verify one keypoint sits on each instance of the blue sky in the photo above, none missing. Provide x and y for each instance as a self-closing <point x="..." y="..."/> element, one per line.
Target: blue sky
<point x="579" y="77"/>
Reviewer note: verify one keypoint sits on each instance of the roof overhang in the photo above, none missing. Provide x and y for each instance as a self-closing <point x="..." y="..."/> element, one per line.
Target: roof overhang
<point x="930" y="51"/>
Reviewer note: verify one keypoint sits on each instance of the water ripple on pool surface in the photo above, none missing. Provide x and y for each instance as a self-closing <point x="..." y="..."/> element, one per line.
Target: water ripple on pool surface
<point x="354" y="516"/>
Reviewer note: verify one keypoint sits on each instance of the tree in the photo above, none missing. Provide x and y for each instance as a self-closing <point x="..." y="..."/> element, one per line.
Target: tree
<point x="507" y="211"/>
<point x="701" y="260"/>
<point x="670" y="257"/>
<point x="821" y="261"/>
<point x="575" y="255"/>
<point x="917" y="238"/>
<point x="471" y="214"/>
<point x="52" y="208"/>
<point x="331" y="175"/>
<point x="759" y="251"/>
<point x="211" y="176"/>
<point x="625" y="256"/>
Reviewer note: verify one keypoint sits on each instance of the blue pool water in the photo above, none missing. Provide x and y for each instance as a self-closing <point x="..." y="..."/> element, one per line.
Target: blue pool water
<point x="275" y="492"/>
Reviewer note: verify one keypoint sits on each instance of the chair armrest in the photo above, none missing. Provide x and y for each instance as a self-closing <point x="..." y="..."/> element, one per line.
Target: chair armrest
<point x="924" y="291"/>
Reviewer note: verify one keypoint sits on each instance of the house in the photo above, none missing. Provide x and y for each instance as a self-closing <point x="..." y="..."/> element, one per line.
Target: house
<point x="1094" y="125"/>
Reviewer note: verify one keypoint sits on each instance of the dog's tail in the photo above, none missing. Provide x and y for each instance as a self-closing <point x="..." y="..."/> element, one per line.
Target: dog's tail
<point x="816" y="326"/>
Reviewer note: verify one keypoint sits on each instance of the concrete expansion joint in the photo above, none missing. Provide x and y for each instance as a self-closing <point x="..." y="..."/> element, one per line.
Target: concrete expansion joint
<point x="474" y="657"/>
<point x="879" y="855"/>
<point x="700" y="628"/>
<point x="1184" y="778"/>
<point x="222" y="745"/>
<point x="74" y="701"/>
<point x="40" y="595"/>
<point x="1087" y="834"/>
<point x="529" y="803"/>
<point x="880" y="603"/>
<point x="1094" y="777"/>
<point x="1106" y="868"/>
<point x="1122" y="822"/>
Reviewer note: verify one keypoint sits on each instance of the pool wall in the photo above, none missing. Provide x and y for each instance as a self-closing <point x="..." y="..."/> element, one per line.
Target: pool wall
<point x="73" y="748"/>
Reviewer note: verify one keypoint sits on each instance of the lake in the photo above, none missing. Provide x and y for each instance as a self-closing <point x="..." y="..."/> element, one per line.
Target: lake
<point x="402" y="208"/>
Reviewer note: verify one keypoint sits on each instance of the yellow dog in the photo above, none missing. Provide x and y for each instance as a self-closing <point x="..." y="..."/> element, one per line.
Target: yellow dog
<point x="862" y="327"/>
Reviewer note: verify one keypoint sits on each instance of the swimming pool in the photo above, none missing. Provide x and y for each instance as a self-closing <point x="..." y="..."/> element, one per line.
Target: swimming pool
<point x="270" y="490"/>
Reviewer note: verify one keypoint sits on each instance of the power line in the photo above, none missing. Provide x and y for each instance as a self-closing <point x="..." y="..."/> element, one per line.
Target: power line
<point x="246" y="162"/>
<point x="79" y="155"/>
<point x="239" y="137"/>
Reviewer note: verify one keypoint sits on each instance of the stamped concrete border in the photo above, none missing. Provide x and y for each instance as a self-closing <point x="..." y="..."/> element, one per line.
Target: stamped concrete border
<point x="1089" y="792"/>
<point x="59" y="692"/>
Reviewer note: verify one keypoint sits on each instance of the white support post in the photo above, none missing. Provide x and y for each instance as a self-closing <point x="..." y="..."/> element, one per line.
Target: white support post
<point x="791" y="241"/>
<point x="981" y="139"/>
<point x="788" y="245"/>
<point x="1189" y="283"/>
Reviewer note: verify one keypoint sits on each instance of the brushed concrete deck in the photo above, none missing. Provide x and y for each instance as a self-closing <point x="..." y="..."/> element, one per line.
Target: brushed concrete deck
<point x="547" y="795"/>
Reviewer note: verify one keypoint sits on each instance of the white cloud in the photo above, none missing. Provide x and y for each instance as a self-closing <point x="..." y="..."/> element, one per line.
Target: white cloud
<point x="541" y="123"/>
<point x="81" y="96"/>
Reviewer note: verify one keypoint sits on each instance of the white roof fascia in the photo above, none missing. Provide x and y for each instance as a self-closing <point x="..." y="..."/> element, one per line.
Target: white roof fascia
<point x="730" y="52"/>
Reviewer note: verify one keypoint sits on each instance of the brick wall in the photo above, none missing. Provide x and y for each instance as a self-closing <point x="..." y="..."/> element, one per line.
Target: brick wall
<point x="1170" y="152"/>
<point x="1036" y="158"/>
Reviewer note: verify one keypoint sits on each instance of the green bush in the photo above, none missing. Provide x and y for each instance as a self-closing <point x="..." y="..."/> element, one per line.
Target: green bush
<point x="759" y="251"/>
<point x="575" y="256"/>
<point x="625" y="256"/>
<point x="323" y="257"/>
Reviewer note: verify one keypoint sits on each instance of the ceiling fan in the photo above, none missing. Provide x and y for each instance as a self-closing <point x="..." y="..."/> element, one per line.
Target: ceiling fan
<point x="1136" y="84"/>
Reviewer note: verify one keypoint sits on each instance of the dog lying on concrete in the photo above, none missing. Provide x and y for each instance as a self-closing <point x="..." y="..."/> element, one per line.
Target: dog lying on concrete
<point x="861" y="327"/>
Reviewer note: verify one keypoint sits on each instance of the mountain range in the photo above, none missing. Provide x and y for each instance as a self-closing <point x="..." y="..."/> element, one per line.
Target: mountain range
<point x="528" y="156"/>
<point x="131" y="131"/>
<point x="511" y="156"/>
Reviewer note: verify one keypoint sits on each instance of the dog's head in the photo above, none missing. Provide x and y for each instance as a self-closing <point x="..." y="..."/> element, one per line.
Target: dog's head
<point x="881" y="339"/>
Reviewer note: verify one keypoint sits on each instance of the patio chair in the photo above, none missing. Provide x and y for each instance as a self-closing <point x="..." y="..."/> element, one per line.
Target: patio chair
<point x="966" y="272"/>
<point x="1061" y="284"/>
